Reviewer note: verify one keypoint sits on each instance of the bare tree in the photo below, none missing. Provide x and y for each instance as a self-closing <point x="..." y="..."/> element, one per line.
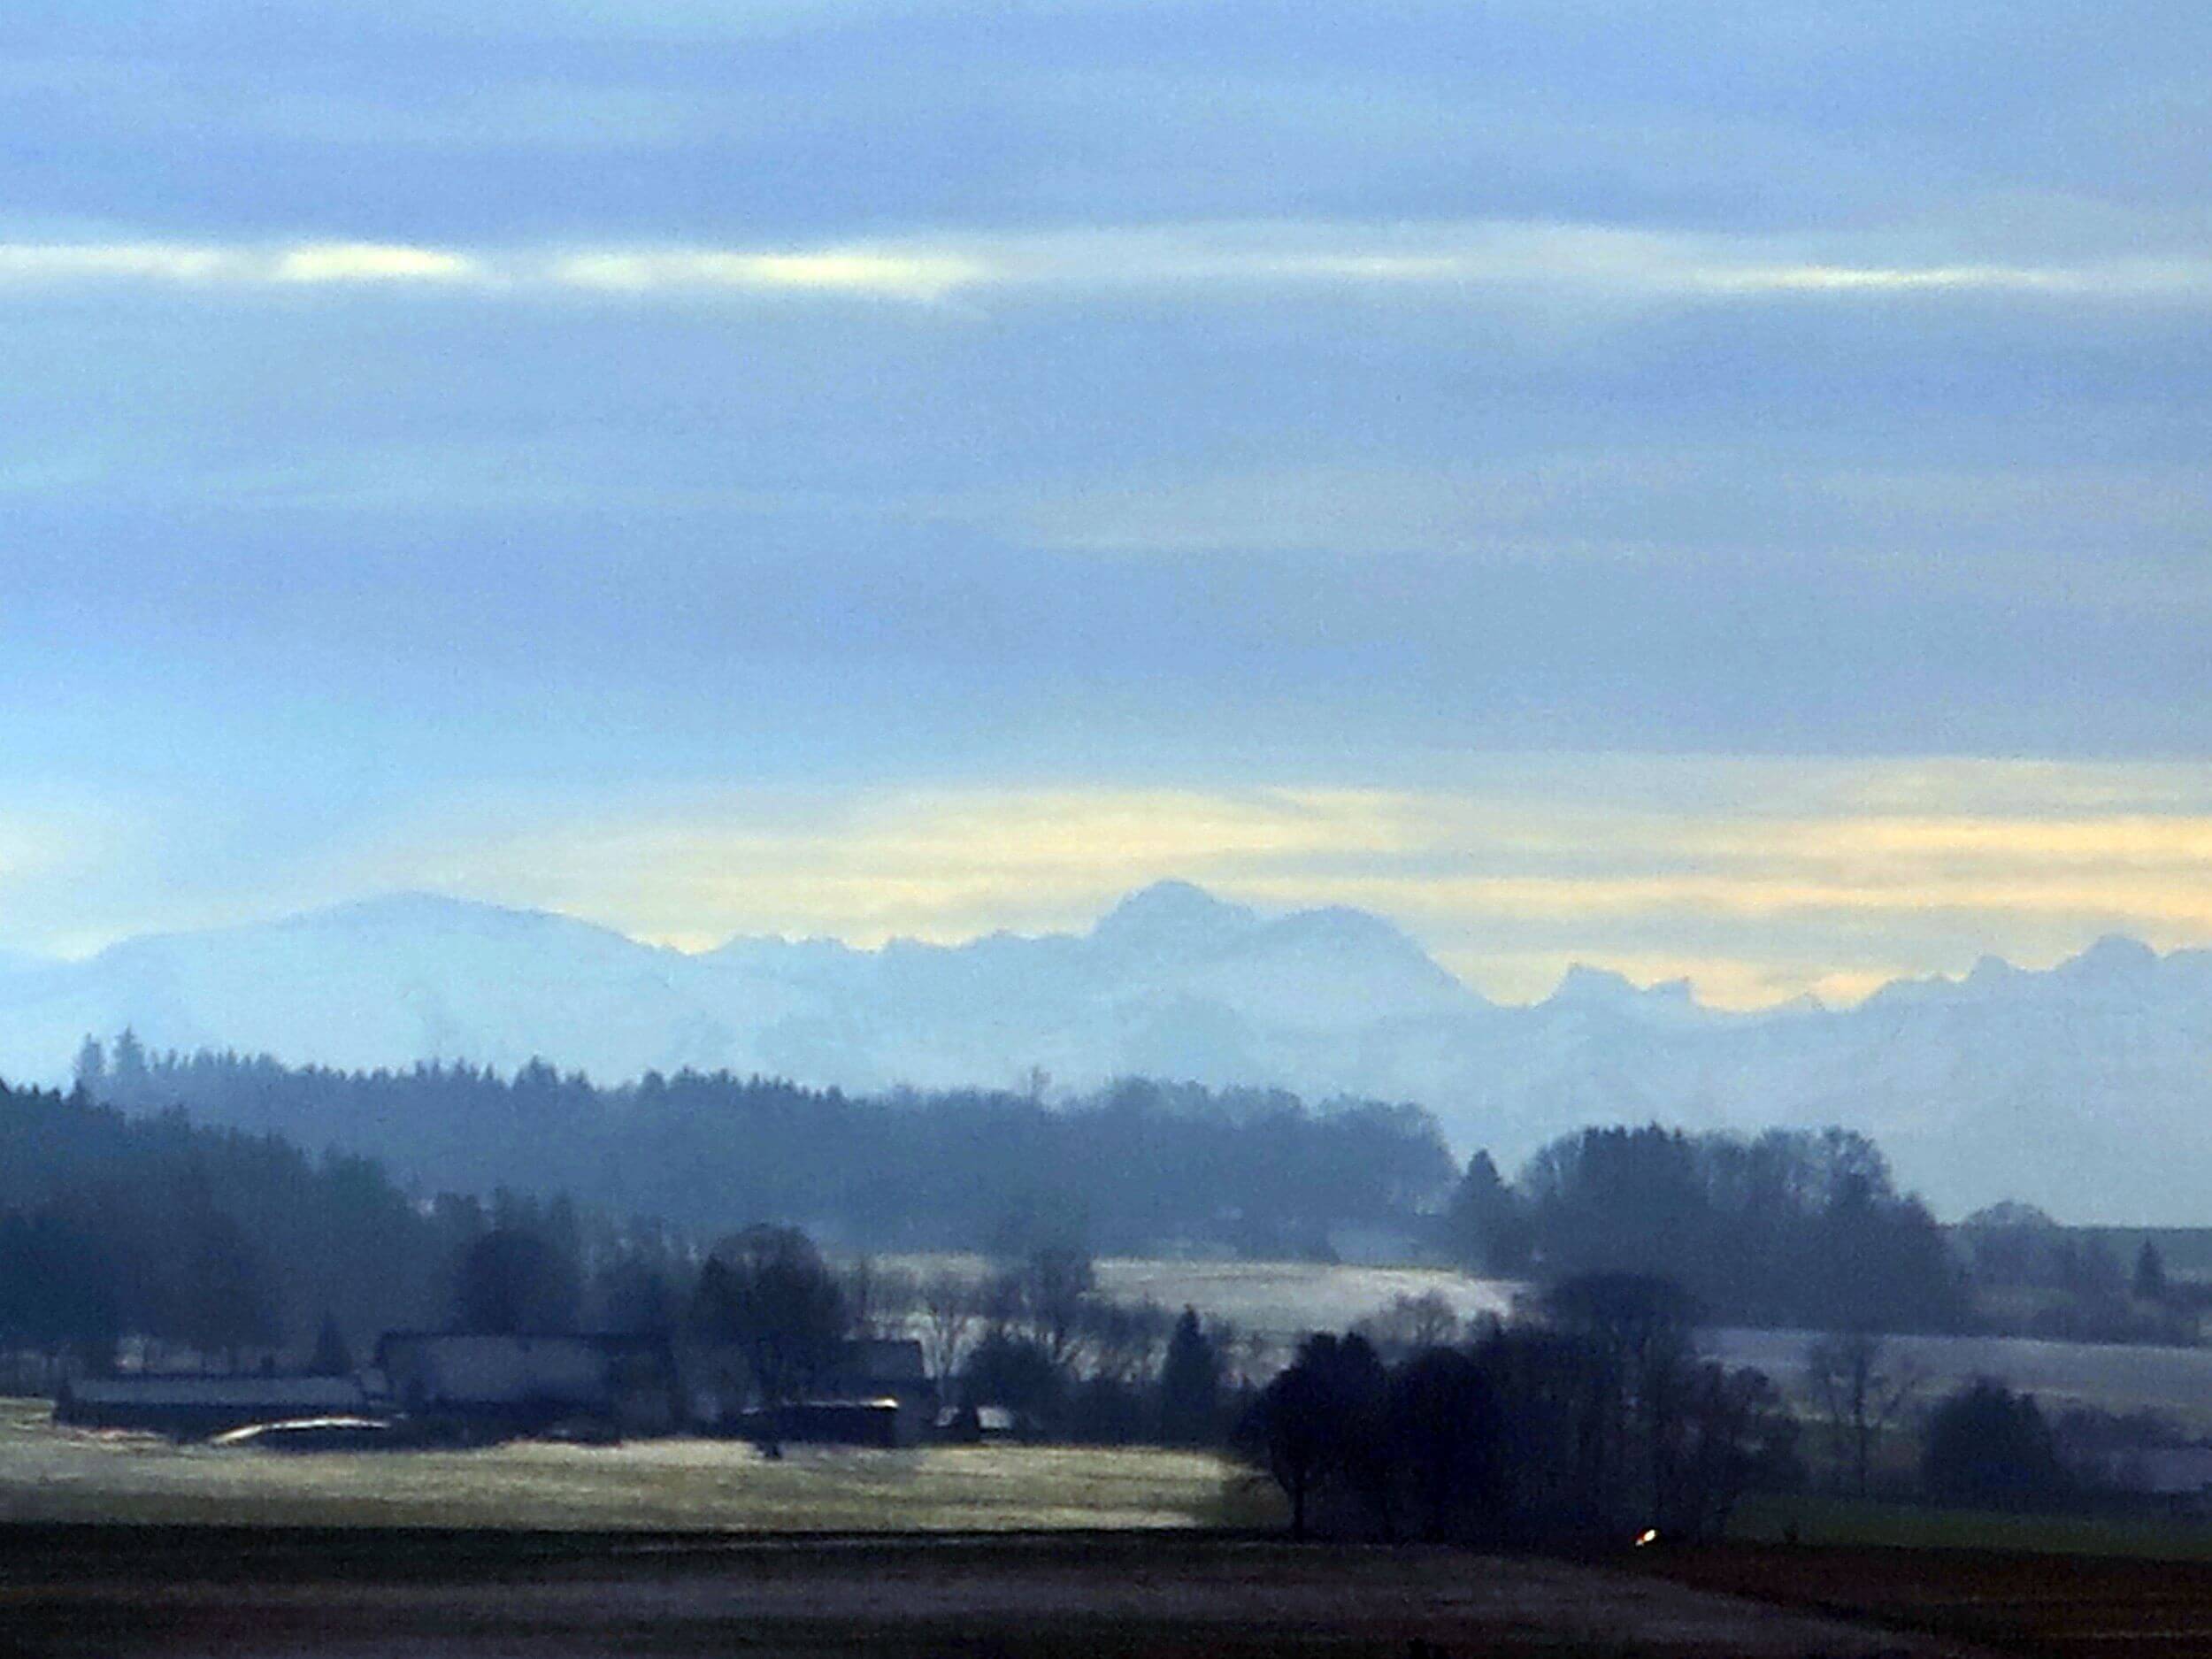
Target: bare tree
<point x="951" y="1304"/>
<point x="1410" y="1325"/>
<point x="1861" y="1389"/>
<point x="1056" y="1283"/>
<point x="1126" y="1338"/>
<point x="1249" y="1357"/>
<point x="881" y="1301"/>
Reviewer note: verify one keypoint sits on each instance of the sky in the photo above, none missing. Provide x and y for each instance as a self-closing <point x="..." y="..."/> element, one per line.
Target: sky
<point x="1714" y="490"/>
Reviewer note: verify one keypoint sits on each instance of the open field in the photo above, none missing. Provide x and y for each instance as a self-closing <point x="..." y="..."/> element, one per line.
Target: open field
<point x="655" y="1548"/>
<point x="1818" y="1519"/>
<point x="1278" y="1301"/>
<point x="52" y="1474"/>
<point x="69" y="1594"/>
<point x="1284" y="1300"/>
<point x="2175" y="1381"/>
<point x="2065" y="1607"/>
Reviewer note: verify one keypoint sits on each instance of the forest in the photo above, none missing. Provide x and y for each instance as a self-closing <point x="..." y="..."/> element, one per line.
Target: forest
<point x="177" y="1188"/>
<point x="1789" y="1227"/>
<point x="1137" y="1168"/>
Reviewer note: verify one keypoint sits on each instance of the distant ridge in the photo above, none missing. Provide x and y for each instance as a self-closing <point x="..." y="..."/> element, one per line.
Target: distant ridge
<point x="2085" y="1088"/>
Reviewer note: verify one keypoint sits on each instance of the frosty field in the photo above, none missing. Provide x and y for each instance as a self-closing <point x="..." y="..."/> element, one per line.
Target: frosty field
<point x="1281" y="1300"/>
<point x="52" y="1474"/>
<point x="2175" y="1382"/>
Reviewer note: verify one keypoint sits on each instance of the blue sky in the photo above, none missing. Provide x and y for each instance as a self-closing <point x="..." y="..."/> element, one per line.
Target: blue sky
<point x="1713" y="489"/>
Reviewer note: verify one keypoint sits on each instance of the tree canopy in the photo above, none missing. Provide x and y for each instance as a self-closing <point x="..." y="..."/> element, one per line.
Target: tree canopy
<point x="1127" y="1168"/>
<point x="1791" y="1227"/>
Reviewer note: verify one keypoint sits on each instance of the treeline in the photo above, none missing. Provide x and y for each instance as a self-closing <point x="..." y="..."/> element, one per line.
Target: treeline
<point x="212" y="1239"/>
<point x="1136" y="1166"/>
<point x="1593" y="1420"/>
<point x="220" y="1248"/>
<point x="1791" y="1227"/>
<point x="2032" y="1277"/>
<point x="228" y="1244"/>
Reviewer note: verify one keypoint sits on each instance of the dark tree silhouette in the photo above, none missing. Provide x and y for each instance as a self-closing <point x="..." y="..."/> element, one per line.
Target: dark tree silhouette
<point x="1989" y="1446"/>
<point x="1444" y="1416"/>
<point x="1792" y="1227"/>
<point x="1015" y="1371"/>
<point x="1190" y="1384"/>
<point x="1322" y="1427"/>
<point x="1056" y="1283"/>
<point x="951" y="1303"/>
<point x="222" y="1287"/>
<point x="2150" y="1273"/>
<point x="59" y="1289"/>
<point x="332" y="1356"/>
<point x="511" y="1281"/>
<point x="1487" y="1223"/>
<point x="182" y="1234"/>
<point x="767" y="1292"/>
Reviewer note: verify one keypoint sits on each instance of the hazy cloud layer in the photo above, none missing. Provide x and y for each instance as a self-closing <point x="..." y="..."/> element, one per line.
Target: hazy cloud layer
<point x="1757" y="879"/>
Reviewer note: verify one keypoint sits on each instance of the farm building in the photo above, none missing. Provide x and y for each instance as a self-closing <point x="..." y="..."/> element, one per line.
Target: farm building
<point x="525" y="1382"/>
<point x="831" y="1422"/>
<point x="878" y="1392"/>
<point x="194" y="1405"/>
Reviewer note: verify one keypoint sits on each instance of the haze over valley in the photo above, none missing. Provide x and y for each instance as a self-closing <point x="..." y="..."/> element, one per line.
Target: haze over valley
<point x="2085" y="1088"/>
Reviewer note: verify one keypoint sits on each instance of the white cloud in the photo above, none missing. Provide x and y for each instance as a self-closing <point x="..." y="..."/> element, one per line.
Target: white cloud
<point x="2108" y="535"/>
<point x="371" y="262"/>
<point x="62" y="263"/>
<point x="2105" y="279"/>
<point x="916" y="275"/>
<point x="1534" y="262"/>
<point x="50" y="264"/>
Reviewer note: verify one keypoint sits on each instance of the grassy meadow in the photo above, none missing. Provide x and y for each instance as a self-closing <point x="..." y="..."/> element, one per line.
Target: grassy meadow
<point x="50" y="1473"/>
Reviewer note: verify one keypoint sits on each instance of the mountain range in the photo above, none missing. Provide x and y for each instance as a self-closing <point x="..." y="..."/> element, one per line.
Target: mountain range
<point x="2085" y="1088"/>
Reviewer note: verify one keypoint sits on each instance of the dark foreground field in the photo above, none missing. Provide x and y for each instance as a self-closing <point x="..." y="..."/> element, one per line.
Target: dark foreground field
<point x="86" y="1591"/>
<point x="2062" y="1606"/>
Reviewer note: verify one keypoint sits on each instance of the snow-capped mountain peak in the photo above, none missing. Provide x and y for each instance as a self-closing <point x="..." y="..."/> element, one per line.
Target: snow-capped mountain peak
<point x="1172" y="918"/>
<point x="2114" y="959"/>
